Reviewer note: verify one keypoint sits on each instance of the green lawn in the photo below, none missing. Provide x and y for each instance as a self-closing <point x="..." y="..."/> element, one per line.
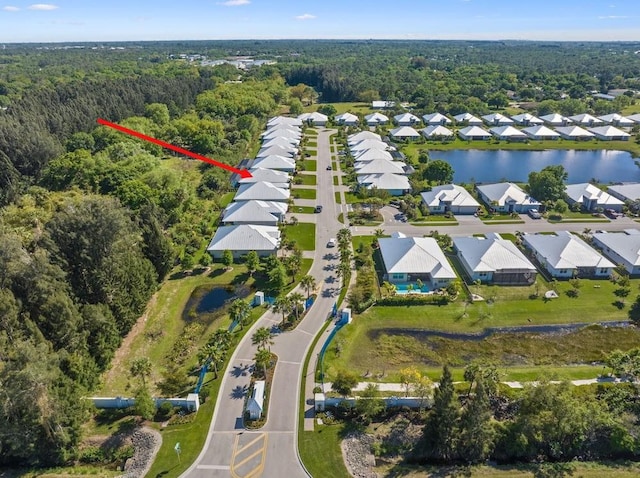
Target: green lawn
<point x="304" y="235"/>
<point x="413" y="149"/>
<point x="335" y="181"/>
<point x="339" y="199"/>
<point x="307" y="179"/>
<point x="347" y="107"/>
<point x="302" y="209"/>
<point x="310" y="165"/>
<point x="298" y="193"/>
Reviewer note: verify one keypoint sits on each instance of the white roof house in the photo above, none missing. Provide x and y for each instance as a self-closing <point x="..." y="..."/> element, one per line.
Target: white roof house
<point x="371" y="154"/>
<point x="404" y="132"/>
<point x="497" y="119"/>
<point x="277" y="150"/>
<point x="242" y="238"/>
<point x="435" y="119"/>
<point x="508" y="133"/>
<point x="406" y="119"/>
<point x="566" y="255"/>
<point x="316" y="118"/>
<point x="574" y="132"/>
<point x="635" y="118"/>
<point x="540" y="132"/>
<point x="366" y="144"/>
<point x="261" y="191"/>
<point x="610" y="133"/>
<point x="362" y="135"/>
<point x="407" y="259"/>
<point x="555" y="119"/>
<point x="474" y="133"/>
<point x="622" y="248"/>
<point x="283" y="141"/>
<point x="255" y="403"/>
<point x="436" y="131"/>
<point x="616" y="119"/>
<point x="375" y="119"/>
<point x="382" y="104"/>
<point x="347" y="119"/>
<point x="468" y="118"/>
<point x="494" y="260"/>
<point x="625" y="192"/>
<point x="450" y="198"/>
<point x="283" y="120"/>
<point x="507" y="197"/>
<point x="379" y="166"/>
<point x="266" y="213"/>
<point x="278" y="178"/>
<point x="275" y="161"/>
<point x="290" y="134"/>
<point x="585" y="119"/>
<point x="395" y="184"/>
<point x="527" y="119"/>
<point x="591" y="197"/>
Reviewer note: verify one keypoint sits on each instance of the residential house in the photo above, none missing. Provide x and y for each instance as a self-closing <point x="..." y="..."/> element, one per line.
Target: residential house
<point x="315" y="119"/>
<point x="261" y="191"/>
<point x="436" y="119"/>
<point x="379" y="166"/>
<point x="575" y="133"/>
<point x="394" y="184"/>
<point x="468" y="119"/>
<point x="382" y="104"/>
<point x="283" y="141"/>
<point x="609" y="133"/>
<point x="371" y="154"/>
<point x="255" y="403"/>
<point x="635" y="118"/>
<point x="625" y="192"/>
<point x="497" y="119"/>
<point x="565" y="255"/>
<point x="265" y="213"/>
<point x="616" y="119"/>
<point x="404" y="133"/>
<point x="284" y="132"/>
<point x="277" y="150"/>
<point x="591" y="197"/>
<point x="347" y="119"/>
<point x="508" y="133"/>
<point x="507" y="197"/>
<point x="540" y="132"/>
<point x="437" y="132"/>
<point x="242" y="238"/>
<point x="275" y="161"/>
<point x="450" y="198"/>
<point x="407" y="259"/>
<point x="280" y="179"/>
<point x="555" y="119"/>
<point x="406" y="119"/>
<point x="621" y="248"/>
<point x="585" y="119"/>
<point x="362" y="135"/>
<point x="474" y="133"/>
<point x="494" y="260"/>
<point x="376" y="119"/>
<point x="366" y="144"/>
<point x="527" y="119"/>
<point x="279" y="120"/>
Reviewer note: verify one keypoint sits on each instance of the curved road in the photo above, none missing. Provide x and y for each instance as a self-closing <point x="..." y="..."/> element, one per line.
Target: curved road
<point x="230" y="450"/>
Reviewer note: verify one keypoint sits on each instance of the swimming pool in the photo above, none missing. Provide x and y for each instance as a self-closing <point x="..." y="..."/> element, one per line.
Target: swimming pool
<point x="405" y="289"/>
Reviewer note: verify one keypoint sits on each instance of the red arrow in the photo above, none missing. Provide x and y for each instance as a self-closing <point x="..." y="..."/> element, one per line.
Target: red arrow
<point x="242" y="172"/>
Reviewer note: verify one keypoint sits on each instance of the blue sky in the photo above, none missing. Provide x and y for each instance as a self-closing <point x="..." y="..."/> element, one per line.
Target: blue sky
<point x="119" y="20"/>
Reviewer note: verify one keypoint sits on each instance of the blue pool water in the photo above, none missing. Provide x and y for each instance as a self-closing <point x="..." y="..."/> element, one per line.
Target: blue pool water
<point x="404" y="289"/>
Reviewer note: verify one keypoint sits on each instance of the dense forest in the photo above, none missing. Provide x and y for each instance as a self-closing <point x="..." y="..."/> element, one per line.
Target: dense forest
<point x="92" y="221"/>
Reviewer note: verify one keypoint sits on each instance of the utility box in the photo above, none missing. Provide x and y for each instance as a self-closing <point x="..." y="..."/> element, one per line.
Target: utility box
<point x="318" y="400"/>
<point x="345" y="317"/>
<point x="258" y="299"/>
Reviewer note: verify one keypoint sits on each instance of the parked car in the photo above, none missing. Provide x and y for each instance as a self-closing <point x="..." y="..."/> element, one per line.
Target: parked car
<point x="318" y="208"/>
<point x="329" y="168"/>
<point x="331" y="243"/>
<point x="611" y="213"/>
<point x="535" y="214"/>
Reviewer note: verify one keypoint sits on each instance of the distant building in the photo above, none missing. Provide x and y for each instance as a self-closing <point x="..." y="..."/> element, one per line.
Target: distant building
<point x="255" y="403"/>
<point x="450" y="198"/>
<point x="507" y="197"/>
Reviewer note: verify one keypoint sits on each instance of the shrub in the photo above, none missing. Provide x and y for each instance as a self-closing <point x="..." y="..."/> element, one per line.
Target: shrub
<point x="414" y="299"/>
<point x="165" y="410"/>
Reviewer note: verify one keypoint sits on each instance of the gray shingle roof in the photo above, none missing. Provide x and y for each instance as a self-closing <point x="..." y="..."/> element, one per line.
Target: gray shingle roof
<point x="245" y="237"/>
<point x="415" y="255"/>
<point x="491" y="254"/>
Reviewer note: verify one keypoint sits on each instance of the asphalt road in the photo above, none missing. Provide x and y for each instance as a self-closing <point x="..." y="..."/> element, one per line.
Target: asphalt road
<point x="230" y="450"/>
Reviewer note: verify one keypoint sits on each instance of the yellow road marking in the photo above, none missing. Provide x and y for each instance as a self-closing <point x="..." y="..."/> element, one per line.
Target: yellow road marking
<point x="240" y="450"/>
<point x="257" y="471"/>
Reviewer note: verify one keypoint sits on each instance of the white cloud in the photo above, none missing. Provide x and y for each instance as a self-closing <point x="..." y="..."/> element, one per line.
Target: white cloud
<point x="612" y="17"/>
<point x="43" y="6"/>
<point x="235" y="3"/>
<point x="305" y="16"/>
<point x="10" y="8"/>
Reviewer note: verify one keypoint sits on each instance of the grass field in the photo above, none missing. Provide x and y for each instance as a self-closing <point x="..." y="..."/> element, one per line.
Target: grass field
<point x="304" y="235"/>
<point x="335" y="181"/>
<point x="298" y="193"/>
<point x="302" y="210"/>
<point x="352" y="107"/>
<point x="310" y="165"/>
<point x="307" y="179"/>
<point x="337" y="197"/>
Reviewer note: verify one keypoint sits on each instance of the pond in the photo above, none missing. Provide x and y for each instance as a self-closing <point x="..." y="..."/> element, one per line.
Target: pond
<point x="207" y="300"/>
<point x="495" y="166"/>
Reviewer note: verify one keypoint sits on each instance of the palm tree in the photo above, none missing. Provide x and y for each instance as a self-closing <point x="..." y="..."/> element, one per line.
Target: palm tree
<point x="221" y="338"/>
<point x="282" y="305"/>
<point x="141" y="367"/>
<point x="379" y="232"/>
<point x="212" y="355"/>
<point x="308" y="282"/>
<point x="344" y="237"/>
<point x="296" y="299"/>
<point x="344" y="271"/>
<point x="263" y="360"/>
<point x="262" y="337"/>
<point x="239" y="311"/>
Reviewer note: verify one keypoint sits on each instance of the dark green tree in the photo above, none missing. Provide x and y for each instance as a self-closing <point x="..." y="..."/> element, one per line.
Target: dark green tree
<point x="476" y="432"/>
<point x="548" y="184"/>
<point x="440" y="433"/>
<point x="438" y="172"/>
<point x="344" y="382"/>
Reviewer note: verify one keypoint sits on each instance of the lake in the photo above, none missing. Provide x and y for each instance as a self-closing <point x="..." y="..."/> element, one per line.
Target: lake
<point x="582" y="166"/>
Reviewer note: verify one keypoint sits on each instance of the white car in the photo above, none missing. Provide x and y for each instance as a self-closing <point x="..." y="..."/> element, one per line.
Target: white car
<point x="331" y="243"/>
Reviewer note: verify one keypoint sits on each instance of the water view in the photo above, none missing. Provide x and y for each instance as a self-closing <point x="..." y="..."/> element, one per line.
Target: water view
<point x="582" y="166"/>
